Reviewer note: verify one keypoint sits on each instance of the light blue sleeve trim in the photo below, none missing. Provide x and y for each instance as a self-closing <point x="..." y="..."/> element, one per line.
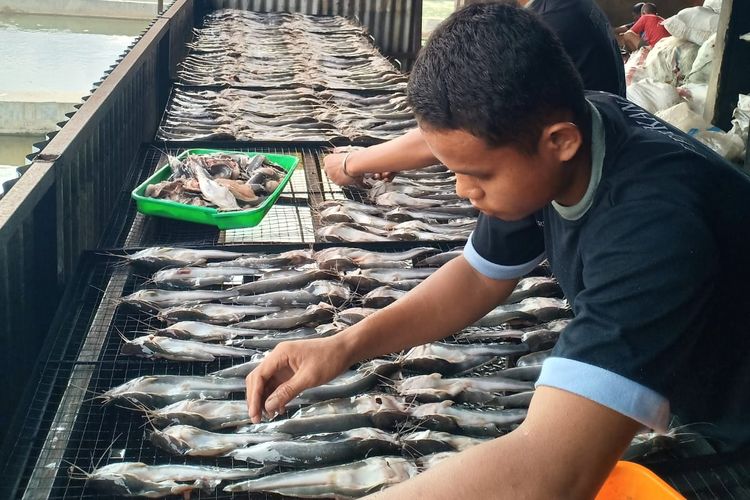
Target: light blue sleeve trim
<point x="497" y="271"/>
<point x="608" y="389"/>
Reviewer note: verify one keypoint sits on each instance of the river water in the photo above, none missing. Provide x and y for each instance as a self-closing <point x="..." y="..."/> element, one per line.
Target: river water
<point x="54" y="59"/>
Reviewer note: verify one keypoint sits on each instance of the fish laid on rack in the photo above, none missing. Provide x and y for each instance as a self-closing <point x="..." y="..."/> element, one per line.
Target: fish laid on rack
<point x="528" y="373"/>
<point x="447" y="417"/>
<point x="271" y="340"/>
<point x="428" y="461"/>
<point x="200" y="277"/>
<point x="161" y="257"/>
<point x="287" y="319"/>
<point x="447" y="359"/>
<point x="534" y="358"/>
<point x="381" y="297"/>
<point x="206" y="332"/>
<point x="428" y="442"/>
<point x="134" y="479"/>
<point x="341" y="481"/>
<point x="161" y="390"/>
<point x="292" y="280"/>
<point x="152" y="346"/>
<point x="242" y="369"/>
<point x="433" y="387"/>
<point x="152" y="300"/>
<point x="535" y="334"/>
<point x="219" y="314"/>
<point x="321" y="449"/>
<point x="268" y="261"/>
<point x="518" y="400"/>
<point x="367" y="410"/>
<point x="344" y="258"/>
<point x="528" y="312"/>
<point x="332" y="292"/>
<point x="187" y="440"/>
<point x="364" y="280"/>
<point x="353" y="315"/>
<point x="210" y="414"/>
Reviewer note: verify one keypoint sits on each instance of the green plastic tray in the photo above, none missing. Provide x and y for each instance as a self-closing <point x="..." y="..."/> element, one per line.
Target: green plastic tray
<point x="211" y="216"/>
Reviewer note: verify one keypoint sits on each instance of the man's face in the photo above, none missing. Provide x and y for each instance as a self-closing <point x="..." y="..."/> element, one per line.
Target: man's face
<point x="502" y="182"/>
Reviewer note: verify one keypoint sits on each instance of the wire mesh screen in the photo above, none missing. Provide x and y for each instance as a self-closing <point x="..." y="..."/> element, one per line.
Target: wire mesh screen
<point x="67" y="430"/>
<point x="289" y="221"/>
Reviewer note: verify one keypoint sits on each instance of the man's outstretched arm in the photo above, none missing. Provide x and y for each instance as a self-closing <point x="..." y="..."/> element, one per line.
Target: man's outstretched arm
<point x="565" y="449"/>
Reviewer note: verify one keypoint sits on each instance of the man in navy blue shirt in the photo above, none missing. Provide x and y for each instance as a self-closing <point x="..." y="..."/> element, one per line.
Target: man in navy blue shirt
<point x="647" y="231"/>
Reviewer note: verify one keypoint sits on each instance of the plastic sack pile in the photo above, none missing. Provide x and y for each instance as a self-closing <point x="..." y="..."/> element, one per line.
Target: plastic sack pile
<point x="670" y="79"/>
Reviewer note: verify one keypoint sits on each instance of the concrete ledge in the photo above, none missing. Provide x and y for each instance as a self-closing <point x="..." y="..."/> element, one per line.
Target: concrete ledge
<point x="125" y="9"/>
<point x="32" y="118"/>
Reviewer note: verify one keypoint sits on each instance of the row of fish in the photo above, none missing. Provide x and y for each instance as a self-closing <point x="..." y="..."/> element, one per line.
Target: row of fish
<point x="286" y="50"/>
<point x="219" y="180"/>
<point x="297" y="114"/>
<point x="371" y="427"/>
<point x="417" y="205"/>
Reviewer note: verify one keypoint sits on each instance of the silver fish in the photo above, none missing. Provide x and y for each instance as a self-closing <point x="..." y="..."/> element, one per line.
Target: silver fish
<point x="534" y="286"/>
<point x="317" y="291"/>
<point x="381" y="297"/>
<point x="161" y="390"/>
<point x="434" y="387"/>
<point x="151" y="346"/>
<point x="353" y="315"/>
<point x="455" y="358"/>
<point x="267" y="261"/>
<point x="441" y="258"/>
<point x="291" y="318"/>
<point x="534" y="358"/>
<point x="152" y="300"/>
<point x="161" y="257"/>
<point x="206" y="332"/>
<point x="348" y="232"/>
<point x="531" y="310"/>
<point x="242" y="369"/>
<point x="341" y="481"/>
<point x="200" y="277"/>
<point x="367" y="410"/>
<point x="445" y="416"/>
<point x="428" y="442"/>
<point x="344" y="258"/>
<point x="221" y="314"/>
<point x="286" y="282"/>
<point x="203" y="413"/>
<point x="518" y="400"/>
<point x="321" y="449"/>
<point x="271" y="340"/>
<point x="196" y="442"/>
<point x="527" y="373"/>
<point x="429" y="461"/>
<point x="154" y="481"/>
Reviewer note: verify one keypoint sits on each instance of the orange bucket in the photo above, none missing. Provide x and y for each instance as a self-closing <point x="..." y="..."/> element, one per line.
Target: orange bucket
<point x="630" y="481"/>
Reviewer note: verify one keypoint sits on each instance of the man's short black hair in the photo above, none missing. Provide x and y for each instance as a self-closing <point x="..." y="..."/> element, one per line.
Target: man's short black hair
<point x="648" y="8"/>
<point x="637" y="8"/>
<point x="495" y="71"/>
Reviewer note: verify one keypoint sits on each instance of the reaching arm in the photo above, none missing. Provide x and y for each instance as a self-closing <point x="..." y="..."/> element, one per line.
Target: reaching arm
<point x="454" y="296"/>
<point x="403" y="153"/>
<point x="564" y="449"/>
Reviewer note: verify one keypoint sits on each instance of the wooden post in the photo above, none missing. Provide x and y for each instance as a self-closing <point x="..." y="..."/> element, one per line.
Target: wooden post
<point x="730" y="74"/>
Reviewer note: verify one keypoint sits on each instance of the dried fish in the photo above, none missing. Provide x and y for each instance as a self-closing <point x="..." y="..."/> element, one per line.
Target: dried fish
<point x="200" y="277"/>
<point x="446" y="417"/>
<point x="534" y="358"/>
<point x="161" y="390"/>
<point x="152" y="300"/>
<point x="290" y="318"/>
<point x="161" y="257"/>
<point x="381" y="297"/>
<point x="353" y="315"/>
<point x="151" y="346"/>
<point x="293" y="281"/>
<point x="138" y="479"/>
<point x="321" y="449"/>
<point x="343" y="258"/>
<point x="341" y="481"/>
<point x="193" y="441"/>
<point x="220" y="314"/>
<point x="527" y="312"/>
<point x="454" y="358"/>
<point x="317" y="291"/>
<point x="434" y="387"/>
<point x="206" y="332"/>
<point x="203" y="413"/>
<point x="428" y="442"/>
<point x="267" y="261"/>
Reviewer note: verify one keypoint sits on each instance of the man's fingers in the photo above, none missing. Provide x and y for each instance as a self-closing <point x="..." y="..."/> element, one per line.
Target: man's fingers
<point x="285" y="392"/>
<point x="255" y="384"/>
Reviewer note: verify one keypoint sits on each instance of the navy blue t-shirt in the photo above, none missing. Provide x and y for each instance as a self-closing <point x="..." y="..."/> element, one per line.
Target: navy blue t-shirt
<point x="655" y="262"/>
<point x="588" y="39"/>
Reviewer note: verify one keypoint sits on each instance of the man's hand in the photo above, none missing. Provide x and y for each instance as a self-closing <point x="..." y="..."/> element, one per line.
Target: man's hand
<point x="291" y="368"/>
<point x="333" y="164"/>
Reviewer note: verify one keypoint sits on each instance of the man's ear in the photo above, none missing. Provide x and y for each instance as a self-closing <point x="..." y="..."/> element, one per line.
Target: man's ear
<point x="561" y="140"/>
